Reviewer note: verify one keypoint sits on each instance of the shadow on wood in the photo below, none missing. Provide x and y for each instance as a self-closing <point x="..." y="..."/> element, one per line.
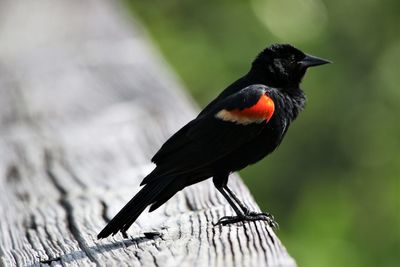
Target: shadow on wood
<point x="78" y="255"/>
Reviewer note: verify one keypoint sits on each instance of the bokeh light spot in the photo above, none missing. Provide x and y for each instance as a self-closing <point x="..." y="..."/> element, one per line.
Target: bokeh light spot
<point x="387" y="68"/>
<point x="292" y="20"/>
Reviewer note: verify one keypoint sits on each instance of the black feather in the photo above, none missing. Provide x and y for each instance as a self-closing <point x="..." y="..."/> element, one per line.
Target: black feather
<point x="131" y="211"/>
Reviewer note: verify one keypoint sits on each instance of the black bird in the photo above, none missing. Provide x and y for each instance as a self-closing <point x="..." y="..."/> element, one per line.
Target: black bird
<point x="246" y="122"/>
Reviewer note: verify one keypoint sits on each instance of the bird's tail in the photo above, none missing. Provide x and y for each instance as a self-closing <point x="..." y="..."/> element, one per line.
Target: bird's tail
<point x="128" y="215"/>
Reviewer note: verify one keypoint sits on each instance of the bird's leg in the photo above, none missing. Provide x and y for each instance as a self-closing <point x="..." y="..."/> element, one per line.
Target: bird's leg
<point x="246" y="215"/>
<point x="231" y="203"/>
<point x="243" y="206"/>
<point x="242" y="212"/>
<point x="220" y="182"/>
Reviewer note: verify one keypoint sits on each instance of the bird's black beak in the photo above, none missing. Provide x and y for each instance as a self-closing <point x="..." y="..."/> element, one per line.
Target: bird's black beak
<point x="311" y="61"/>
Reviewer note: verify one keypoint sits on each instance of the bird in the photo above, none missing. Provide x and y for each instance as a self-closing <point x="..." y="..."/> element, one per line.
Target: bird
<point x="243" y="124"/>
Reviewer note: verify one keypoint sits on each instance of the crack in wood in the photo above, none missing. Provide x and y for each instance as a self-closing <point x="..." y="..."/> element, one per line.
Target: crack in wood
<point x="230" y="241"/>
<point x="189" y="203"/>
<point x="13" y="174"/>
<point x="48" y="165"/>
<point x="71" y="172"/>
<point x="261" y="241"/>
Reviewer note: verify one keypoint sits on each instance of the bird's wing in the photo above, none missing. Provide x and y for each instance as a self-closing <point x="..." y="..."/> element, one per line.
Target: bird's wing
<point x="230" y="125"/>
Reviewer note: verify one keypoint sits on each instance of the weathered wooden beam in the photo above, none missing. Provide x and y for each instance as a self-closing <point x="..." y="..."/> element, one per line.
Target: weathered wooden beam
<point x="85" y="101"/>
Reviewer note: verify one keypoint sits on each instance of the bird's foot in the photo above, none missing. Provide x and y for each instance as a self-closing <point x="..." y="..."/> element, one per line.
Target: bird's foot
<point x="249" y="216"/>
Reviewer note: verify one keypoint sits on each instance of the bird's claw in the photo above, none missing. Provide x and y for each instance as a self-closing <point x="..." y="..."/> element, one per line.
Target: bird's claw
<point x="250" y="216"/>
<point x="266" y="214"/>
<point x="225" y="218"/>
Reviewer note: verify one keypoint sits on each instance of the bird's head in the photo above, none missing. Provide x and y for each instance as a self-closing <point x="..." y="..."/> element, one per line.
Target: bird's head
<point x="282" y="65"/>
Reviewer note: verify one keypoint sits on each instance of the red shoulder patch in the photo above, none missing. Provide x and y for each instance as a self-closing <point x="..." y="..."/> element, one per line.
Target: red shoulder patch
<point x="259" y="112"/>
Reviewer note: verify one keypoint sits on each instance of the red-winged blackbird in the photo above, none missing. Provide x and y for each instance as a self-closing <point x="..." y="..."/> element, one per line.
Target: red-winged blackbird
<point x="246" y="122"/>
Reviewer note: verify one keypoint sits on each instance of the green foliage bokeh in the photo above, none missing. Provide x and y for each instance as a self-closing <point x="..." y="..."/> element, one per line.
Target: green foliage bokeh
<point x="333" y="184"/>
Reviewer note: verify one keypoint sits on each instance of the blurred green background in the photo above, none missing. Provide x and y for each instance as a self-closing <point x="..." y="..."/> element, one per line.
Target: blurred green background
<point x="333" y="184"/>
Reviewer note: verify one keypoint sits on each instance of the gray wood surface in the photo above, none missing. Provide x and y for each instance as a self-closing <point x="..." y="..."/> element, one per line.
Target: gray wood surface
<point x="85" y="101"/>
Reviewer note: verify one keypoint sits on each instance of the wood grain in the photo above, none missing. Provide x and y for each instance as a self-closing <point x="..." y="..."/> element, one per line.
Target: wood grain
<point x="85" y="101"/>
